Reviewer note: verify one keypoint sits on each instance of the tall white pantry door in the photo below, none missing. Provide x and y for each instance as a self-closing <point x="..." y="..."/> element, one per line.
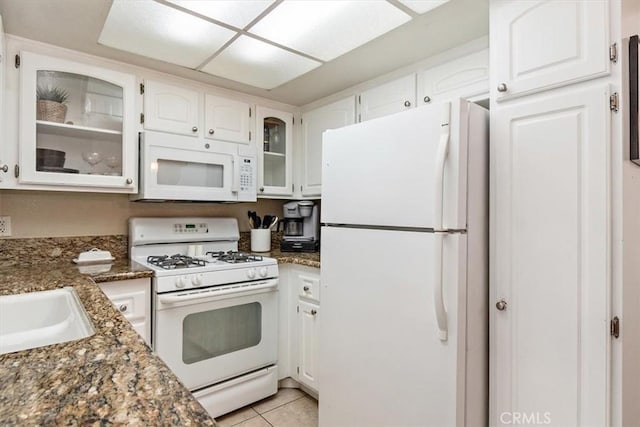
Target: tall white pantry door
<point x="550" y="259"/>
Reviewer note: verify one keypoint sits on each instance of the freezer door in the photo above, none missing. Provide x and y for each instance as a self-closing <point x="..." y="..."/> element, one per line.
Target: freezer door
<point x="381" y="360"/>
<point x="383" y="172"/>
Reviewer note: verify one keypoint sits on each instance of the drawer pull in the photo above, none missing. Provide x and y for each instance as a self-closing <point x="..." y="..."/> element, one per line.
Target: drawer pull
<point x="306" y="289"/>
<point x="313" y="312"/>
<point x="123" y="308"/>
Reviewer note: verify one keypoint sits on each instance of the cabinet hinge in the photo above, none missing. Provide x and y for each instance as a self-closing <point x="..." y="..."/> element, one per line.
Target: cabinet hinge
<point x="16" y="171"/>
<point x="249" y="111"/>
<point x="141" y="117"/>
<point x="614" y="102"/>
<point x="292" y="190"/>
<point x="17" y="59"/>
<point x="141" y="88"/>
<point x="249" y="135"/>
<point x="613" y="52"/>
<point x="615" y="327"/>
<point x="359" y="118"/>
<point x="298" y="369"/>
<point x="293" y="120"/>
<point x="359" y="100"/>
<point x="297" y="309"/>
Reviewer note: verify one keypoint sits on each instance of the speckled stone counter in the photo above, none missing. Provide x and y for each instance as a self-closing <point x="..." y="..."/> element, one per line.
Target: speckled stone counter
<point x="111" y="377"/>
<point x="302" y="258"/>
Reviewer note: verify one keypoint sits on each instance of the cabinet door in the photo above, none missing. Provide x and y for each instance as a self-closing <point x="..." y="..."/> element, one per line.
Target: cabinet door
<point x="171" y="109"/>
<point x="308" y="323"/>
<point x="226" y="119"/>
<point x="550" y="252"/>
<point x="540" y="44"/>
<point x="392" y="97"/>
<point x="275" y="159"/>
<point x="132" y="298"/>
<point x="77" y="125"/>
<point x="314" y="123"/>
<point x="461" y="78"/>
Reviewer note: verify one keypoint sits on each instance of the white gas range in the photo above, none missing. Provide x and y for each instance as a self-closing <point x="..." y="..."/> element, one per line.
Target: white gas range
<point x="215" y="310"/>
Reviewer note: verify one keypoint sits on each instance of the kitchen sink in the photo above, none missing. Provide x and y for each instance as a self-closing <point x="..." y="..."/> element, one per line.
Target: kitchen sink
<point x="37" y="319"/>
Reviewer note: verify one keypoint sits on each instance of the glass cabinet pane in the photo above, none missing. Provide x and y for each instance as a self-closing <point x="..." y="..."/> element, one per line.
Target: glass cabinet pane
<point x="275" y="152"/>
<point x="79" y="123"/>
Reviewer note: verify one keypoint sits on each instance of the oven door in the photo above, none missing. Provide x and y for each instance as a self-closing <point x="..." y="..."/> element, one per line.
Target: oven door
<point x="207" y="336"/>
<point x="174" y="167"/>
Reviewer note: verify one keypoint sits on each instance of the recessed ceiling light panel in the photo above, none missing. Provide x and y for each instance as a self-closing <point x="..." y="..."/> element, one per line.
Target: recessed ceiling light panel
<point x="422" y="6"/>
<point x="259" y="64"/>
<point x="326" y="29"/>
<point x="238" y="13"/>
<point x="151" y="29"/>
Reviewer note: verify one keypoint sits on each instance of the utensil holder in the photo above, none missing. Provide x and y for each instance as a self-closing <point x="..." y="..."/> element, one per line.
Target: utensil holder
<point x="260" y="240"/>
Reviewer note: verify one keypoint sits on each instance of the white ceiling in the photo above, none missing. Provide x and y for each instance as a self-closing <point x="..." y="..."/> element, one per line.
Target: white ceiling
<point x="77" y="24"/>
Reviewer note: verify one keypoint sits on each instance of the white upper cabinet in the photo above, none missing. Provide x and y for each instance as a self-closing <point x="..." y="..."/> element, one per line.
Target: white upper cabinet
<point x="550" y="252"/>
<point x="461" y="78"/>
<point x="388" y="98"/>
<point x="536" y="45"/>
<point x="172" y="109"/>
<point x="314" y="123"/>
<point x="226" y="119"/>
<point x="77" y="126"/>
<point x="275" y="160"/>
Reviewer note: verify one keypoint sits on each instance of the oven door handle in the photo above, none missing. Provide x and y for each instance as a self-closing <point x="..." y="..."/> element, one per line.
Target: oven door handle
<point x="212" y="293"/>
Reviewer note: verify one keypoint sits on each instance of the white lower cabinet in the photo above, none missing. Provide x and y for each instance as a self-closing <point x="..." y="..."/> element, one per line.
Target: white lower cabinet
<point x="133" y="299"/>
<point x="299" y="325"/>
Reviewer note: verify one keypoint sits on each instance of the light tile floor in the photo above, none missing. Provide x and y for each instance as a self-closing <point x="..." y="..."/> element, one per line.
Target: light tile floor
<point x="290" y="407"/>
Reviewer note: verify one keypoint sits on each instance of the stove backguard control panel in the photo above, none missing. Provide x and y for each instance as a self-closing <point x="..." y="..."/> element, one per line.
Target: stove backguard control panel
<point x="192" y="228"/>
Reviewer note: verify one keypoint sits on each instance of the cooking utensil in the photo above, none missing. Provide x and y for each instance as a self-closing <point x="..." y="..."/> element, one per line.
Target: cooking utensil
<point x="257" y="221"/>
<point x="266" y="222"/>
<point x="274" y="222"/>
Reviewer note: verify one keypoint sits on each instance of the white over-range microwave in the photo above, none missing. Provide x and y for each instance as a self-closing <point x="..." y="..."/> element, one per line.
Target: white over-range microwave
<point x="175" y="167"/>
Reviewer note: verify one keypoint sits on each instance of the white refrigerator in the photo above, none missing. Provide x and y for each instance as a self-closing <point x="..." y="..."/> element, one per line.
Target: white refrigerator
<point x="404" y="273"/>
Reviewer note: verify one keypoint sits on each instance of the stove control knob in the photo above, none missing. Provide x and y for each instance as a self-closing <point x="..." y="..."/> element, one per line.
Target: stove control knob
<point x="196" y="280"/>
<point x="251" y="273"/>
<point x="180" y="282"/>
<point x="263" y="271"/>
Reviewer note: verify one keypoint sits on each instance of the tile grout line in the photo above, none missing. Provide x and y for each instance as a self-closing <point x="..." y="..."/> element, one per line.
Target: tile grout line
<point x="265" y="420"/>
<point x="280" y="406"/>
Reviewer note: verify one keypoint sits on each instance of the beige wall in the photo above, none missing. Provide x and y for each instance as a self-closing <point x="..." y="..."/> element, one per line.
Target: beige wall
<point x="56" y="214"/>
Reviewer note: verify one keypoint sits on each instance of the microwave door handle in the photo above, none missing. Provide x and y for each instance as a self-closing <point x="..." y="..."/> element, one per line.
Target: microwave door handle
<point x="235" y="176"/>
<point x="439" y="231"/>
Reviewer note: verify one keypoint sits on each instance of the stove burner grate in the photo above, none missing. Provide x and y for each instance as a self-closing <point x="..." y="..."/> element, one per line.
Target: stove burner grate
<point x="175" y="261"/>
<point x="234" y="257"/>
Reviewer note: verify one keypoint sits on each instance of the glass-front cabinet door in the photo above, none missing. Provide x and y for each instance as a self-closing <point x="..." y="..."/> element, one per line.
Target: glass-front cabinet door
<point x="275" y="165"/>
<point x="77" y="125"/>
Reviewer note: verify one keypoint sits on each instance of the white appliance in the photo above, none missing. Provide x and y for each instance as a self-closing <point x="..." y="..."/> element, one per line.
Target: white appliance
<point x="175" y="167"/>
<point x="404" y="327"/>
<point x="215" y="310"/>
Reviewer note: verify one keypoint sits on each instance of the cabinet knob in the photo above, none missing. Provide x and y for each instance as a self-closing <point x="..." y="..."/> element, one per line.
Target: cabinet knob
<point x="262" y="189"/>
<point x="407" y="103"/>
<point x="211" y="131"/>
<point x="306" y="289"/>
<point x="502" y="87"/>
<point x="129" y="181"/>
<point x="4" y="168"/>
<point x="195" y="129"/>
<point x="314" y="312"/>
<point x="426" y="99"/>
<point x="501" y="305"/>
<point x="122" y="308"/>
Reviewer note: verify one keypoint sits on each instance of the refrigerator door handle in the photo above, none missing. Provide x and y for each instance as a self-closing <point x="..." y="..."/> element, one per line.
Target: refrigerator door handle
<point x="438" y="291"/>
<point x="441" y="157"/>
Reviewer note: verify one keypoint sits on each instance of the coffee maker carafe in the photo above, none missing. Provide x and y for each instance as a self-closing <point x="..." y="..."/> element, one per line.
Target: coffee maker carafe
<point x="301" y="227"/>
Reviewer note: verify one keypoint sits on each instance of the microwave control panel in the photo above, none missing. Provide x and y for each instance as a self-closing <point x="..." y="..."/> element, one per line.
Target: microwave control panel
<point x="247" y="179"/>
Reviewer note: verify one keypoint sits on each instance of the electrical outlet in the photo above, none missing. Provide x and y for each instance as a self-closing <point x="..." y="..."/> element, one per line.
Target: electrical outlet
<point x="5" y="226"/>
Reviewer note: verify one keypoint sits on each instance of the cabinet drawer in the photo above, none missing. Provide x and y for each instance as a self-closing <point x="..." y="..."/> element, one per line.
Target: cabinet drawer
<point x="131" y="305"/>
<point x="309" y="287"/>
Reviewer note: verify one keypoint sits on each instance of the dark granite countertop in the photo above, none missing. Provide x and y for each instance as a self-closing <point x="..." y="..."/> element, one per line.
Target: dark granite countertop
<point x="311" y="259"/>
<point x="111" y="377"/>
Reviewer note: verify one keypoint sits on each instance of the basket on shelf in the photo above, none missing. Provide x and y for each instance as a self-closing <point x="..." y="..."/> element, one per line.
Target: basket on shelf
<point x="51" y="111"/>
<point x="51" y="104"/>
